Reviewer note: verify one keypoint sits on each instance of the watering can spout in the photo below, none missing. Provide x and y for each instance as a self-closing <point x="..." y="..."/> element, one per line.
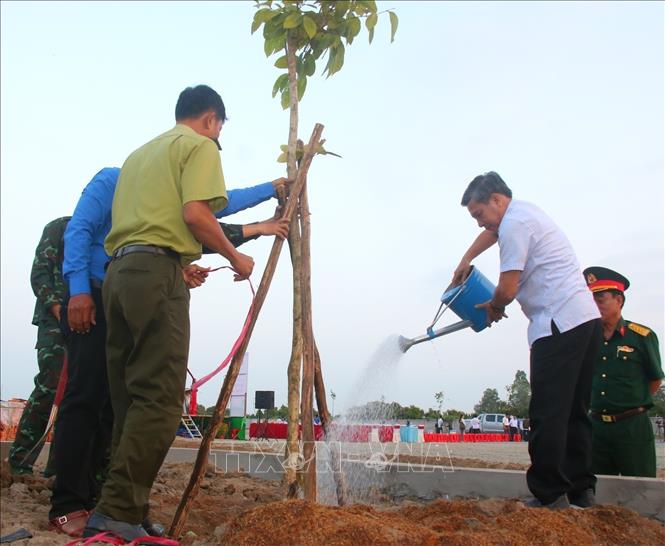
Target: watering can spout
<point x="405" y="343"/>
<point x="462" y="299"/>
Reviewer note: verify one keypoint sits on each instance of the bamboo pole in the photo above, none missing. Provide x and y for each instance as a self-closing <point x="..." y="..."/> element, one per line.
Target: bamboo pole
<point x="180" y="517"/>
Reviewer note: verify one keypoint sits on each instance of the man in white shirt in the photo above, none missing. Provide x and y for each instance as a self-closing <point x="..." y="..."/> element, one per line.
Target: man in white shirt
<point x="475" y="425"/>
<point x="506" y="426"/>
<point x="512" y="423"/>
<point x="539" y="269"/>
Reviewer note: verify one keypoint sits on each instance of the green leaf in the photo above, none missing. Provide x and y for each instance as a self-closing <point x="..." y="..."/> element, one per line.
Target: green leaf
<point x="286" y="98"/>
<point x="310" y="26"/>
<point x="322" y="151"/>
<point x="261" y="17"/>
<point x="302" y="85"/>
<point x="341" y="7"/>
<point x="394" y="21"/>
<point x="367" y="6"/>
<point x="280" y="83"/>
<point x="273" y="27"/>
<point x="282" y="62"/>
<point x="370" y="22"/>
<point x="371" y="35"/>
<point x="335" y="59"/>
<point x="274" y="44"/>
<point x="353" y="26"/>
<point x="310" y="65"/>
<point x="300" y="67"/>
<point x="282" y="158"/>
<point x="284" y="147"/>
<point x="339" y="58"/>
<point x="292" y="21"/>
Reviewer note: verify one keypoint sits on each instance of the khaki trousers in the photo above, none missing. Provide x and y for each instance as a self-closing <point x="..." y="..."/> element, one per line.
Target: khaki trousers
<point x="147" y="312"/>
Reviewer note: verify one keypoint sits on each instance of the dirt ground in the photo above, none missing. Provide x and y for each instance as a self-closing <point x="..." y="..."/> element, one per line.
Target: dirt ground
<point x="239" y="510"/>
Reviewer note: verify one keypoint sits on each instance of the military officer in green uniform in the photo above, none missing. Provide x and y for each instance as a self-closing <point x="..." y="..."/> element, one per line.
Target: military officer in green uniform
<point x="627" y="374"/>
<point x="47" y="284"/>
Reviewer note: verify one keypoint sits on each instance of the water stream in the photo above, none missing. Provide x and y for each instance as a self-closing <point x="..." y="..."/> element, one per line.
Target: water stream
<point x="362" y="485"/>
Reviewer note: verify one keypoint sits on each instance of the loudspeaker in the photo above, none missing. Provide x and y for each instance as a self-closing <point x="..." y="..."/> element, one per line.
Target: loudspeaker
<point x="264" y="399"/>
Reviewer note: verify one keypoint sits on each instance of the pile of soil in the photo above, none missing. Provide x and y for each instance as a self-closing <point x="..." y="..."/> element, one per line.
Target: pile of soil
<point x="454" y="523"/>
<point x="221" y="499"/>
<point x="237" y="509"/>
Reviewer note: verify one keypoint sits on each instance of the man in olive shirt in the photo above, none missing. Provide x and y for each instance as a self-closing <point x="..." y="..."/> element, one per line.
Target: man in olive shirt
<point x="161" y="216"/>
<point x="627" y="373"/>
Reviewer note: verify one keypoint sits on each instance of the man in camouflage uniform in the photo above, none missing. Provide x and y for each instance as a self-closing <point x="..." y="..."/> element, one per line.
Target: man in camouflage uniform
<point x="47" y="284"/>
<point x="628" y="373"/>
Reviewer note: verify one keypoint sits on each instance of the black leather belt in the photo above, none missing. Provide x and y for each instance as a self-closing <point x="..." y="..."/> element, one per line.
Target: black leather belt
<point x="148" y="249"/>
<point x="606" y="418"/>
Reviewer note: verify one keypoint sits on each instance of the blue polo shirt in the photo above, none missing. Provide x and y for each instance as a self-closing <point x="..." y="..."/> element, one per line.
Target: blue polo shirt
<point x="85" y="257"/>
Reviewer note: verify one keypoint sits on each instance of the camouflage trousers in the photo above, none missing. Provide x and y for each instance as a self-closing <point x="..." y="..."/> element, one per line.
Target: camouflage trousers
<point x="31" y="427"/>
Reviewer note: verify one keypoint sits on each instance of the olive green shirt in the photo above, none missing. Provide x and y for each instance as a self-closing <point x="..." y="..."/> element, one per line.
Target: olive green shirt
<point x="155" y="182"/>
<point x="626" y="363"/>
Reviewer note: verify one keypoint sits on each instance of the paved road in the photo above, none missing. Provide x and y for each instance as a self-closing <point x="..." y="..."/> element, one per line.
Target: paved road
<point x="494" y="452"/>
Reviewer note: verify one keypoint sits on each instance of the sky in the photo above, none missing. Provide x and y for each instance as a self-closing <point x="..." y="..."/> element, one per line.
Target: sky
<point x="564" y="100"/>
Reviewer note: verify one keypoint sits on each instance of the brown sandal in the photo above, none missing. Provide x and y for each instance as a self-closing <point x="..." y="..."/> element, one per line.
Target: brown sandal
<point x="71" y="524"/>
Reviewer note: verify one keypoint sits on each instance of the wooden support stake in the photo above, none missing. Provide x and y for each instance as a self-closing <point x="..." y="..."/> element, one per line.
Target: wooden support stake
<point x="292" y="446"/>
<point x="306" y="412"/>
<point x="180" y="517"/>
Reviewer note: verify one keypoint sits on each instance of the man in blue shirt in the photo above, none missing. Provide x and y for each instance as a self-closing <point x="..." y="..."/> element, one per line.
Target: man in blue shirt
<point x="85" y="416"/>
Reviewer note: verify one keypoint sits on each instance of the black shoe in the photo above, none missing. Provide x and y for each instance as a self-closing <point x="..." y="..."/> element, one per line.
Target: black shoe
<point x="560" y="503"/>
<point x="585" y="499"/>
<point x="99" y="523"/>
<point x="152" y="528"/>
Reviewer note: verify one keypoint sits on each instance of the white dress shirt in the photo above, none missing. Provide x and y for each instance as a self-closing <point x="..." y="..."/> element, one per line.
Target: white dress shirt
<point x="551" y="285"/>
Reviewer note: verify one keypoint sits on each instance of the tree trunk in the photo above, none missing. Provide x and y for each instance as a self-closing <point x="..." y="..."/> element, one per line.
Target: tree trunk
<point x="307" y="415"/>
<point x="292" y="442"/>
<point x="180" y="517"/>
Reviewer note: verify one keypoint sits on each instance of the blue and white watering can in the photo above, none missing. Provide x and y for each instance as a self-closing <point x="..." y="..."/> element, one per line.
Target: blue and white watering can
<point x="462" y="299"/>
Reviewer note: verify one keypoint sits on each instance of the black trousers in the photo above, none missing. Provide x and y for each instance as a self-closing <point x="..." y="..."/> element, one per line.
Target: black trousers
<point x="513" y="433"/>
<point x="560" y="436"/>
<point x="85" y="418"/>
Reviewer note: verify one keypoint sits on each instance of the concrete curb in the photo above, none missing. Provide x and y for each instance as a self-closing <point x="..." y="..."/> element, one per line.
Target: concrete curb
<point x="427" y="482"/>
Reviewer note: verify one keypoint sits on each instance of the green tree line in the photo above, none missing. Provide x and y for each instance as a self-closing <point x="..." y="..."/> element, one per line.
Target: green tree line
<point x="516" y="403"/>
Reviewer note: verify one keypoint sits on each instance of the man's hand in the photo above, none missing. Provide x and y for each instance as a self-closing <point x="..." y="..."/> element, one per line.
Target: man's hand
<point x="282" y="183"/>
<point x="494" y="313"/>
<point x="274" y="226"/>
<point x="484" y="241"/>
<point x="81" y="313"/>
<point x="205" y="228"/>
<point x="55" y="311"/>
<point x="461" y="272"/>
<point x="194" y="275"/>
<point x="243" y="266"/>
